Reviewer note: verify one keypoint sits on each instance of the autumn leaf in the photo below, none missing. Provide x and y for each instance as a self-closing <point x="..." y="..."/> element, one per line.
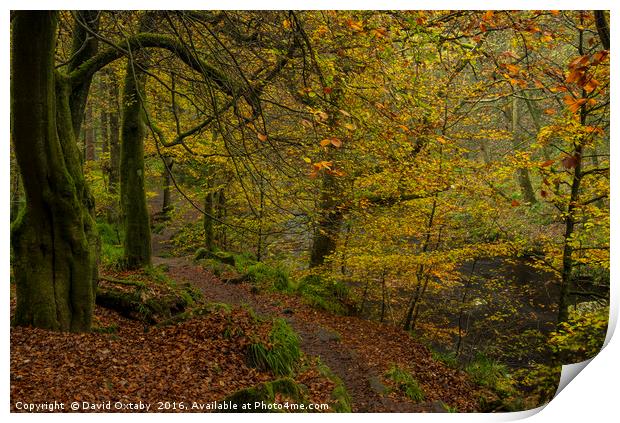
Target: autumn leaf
<point x="515" y="203"/>
<point x="307" y="160"/>
<point x="547" y="163"/>
<point x="488" y="16"/>
<point x="325" y="142"/>
<point x="355" y="25"/>
<point x="574" y="104"/>
<point x="598" y="57"/>
<point x="261" y="137"/>
<point x="570" y="162"/>
<point x="591" y="85"/>
<point x="336" y="142"/>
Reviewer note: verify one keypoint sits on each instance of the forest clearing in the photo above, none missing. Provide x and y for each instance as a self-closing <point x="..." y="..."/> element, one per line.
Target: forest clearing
<point x="306" y="211"/>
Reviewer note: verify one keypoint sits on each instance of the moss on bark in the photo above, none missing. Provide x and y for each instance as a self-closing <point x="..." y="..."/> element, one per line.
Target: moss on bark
<point x="54" y="238"/>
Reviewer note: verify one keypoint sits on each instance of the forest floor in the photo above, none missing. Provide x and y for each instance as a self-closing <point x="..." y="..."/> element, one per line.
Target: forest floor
<point x="358" y="351"/>
<point x="196" y="361"/>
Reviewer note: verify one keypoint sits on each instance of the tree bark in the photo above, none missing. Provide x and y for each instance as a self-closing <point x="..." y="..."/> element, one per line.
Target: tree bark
<point x="114" y="141"/>
<point x="602" y="27"/>
<point x="54" y="238"/>
<point x="84" y="46"/>
<point x="89" y="135"/>
<point x="137" y="241"/>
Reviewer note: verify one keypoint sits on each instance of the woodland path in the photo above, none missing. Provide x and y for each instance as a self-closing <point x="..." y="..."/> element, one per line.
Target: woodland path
<point x="358" y="351"/>
<point x="317" y="338"/>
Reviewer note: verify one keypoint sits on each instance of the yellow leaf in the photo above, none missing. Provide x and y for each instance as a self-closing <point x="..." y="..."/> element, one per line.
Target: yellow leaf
<point x="307" y="160"/>
<point x="336" y="142"/>
<point x="325" y="142"/>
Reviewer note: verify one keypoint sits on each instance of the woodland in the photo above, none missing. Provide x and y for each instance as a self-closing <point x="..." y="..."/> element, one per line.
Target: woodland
<point x="377" y="211"/>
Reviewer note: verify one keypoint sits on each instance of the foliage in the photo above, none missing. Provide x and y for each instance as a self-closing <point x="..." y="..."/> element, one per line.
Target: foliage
<point x="580" y="338"/>
<point x="267" y="276"/>
<point x="324" y="293"/>
<point x="111" y="244"/>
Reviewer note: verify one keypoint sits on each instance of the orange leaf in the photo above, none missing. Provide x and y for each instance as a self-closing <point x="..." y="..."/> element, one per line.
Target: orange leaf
<point x="488" y="15"/>
<point x="261" y="137"/>
<point x="547" y="163"/>
<point x="515" y="203"/>
<point x="325" y="142"/>
<point x="591" y="85"/>
<point x="336" y="142"/>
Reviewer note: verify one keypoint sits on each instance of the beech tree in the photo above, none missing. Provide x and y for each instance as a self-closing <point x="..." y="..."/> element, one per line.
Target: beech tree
<point x="54" y="238"/>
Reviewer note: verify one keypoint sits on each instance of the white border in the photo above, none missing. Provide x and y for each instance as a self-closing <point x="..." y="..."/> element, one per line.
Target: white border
<point x="590" y="397"/>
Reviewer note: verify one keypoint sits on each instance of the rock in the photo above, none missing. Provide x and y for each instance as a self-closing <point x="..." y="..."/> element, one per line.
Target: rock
<point x="326" y="335"/>
<point x="287" y="311"/>
<point x="376" y="385"/>
<point x="438" y="407"/>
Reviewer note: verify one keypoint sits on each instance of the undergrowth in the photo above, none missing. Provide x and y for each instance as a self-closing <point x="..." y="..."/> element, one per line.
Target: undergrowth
<point x="405" y="383"/>
<point x="281" y="354"/>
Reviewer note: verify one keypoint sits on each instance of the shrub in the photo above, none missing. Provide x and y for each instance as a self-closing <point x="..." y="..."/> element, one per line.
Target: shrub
<point x="270" y="277"/>
<point x="324" y="293"/>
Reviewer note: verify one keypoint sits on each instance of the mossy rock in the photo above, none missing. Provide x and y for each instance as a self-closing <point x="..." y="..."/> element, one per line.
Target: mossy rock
<point x="266" y="393"/>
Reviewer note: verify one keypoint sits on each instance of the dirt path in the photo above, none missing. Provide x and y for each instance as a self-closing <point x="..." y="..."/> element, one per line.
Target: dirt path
<point x="361" y="380"/>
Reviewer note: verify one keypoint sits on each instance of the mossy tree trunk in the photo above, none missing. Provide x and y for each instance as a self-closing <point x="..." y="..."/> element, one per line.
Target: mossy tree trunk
<point x="135" y="214"/>
<point x="137" y="241"/>
<point x="114" y="132"/>
<point x="54" y="238"/>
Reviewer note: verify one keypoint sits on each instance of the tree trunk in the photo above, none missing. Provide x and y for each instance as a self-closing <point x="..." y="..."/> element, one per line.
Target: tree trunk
<point x="114" y="141"/>
<point x="208" y="221"/>
<point x="137" y="241"/>
<point x="84" y="46"/>
<point x="167" y="203"/>
<point x="602" y="27"/>
<point x="221" y="215"/>
<point x="54" y="239"/>
<point x="330" y="219"/>
<point x="15" y="187"/>
<point x="523" y="175"/>
<point x="89" y="135"/>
